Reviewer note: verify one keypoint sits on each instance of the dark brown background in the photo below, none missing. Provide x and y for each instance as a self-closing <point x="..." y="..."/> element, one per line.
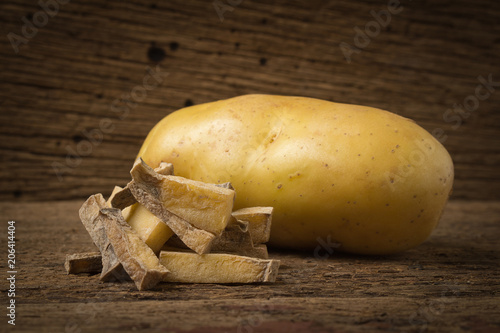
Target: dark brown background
<point x="67" y="78"/>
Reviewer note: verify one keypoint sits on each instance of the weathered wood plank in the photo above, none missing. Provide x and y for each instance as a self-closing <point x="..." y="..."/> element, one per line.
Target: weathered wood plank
<point x="448" y="284"/>
<point x="66" y="79"/>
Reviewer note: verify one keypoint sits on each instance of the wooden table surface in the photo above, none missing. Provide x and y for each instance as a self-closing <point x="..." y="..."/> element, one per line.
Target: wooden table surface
<point x="451" y="283"/>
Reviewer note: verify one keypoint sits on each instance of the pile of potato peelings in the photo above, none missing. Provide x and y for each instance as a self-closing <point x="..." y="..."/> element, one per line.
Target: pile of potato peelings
<point x="162" y="227"/>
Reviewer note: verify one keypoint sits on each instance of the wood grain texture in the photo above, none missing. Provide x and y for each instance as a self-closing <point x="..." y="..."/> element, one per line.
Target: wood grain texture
<point x="80" y="67"/>
<point x="450" y="283"/>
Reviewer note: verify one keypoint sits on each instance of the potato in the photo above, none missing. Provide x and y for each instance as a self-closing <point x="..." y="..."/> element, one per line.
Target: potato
<point x="371" y="180"/>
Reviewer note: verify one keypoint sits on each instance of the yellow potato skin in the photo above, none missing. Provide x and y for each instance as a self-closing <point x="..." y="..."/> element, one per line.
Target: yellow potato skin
<point x="371" y="180"/>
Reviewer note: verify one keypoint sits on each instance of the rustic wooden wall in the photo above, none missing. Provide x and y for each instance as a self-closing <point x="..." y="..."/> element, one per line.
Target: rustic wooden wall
<point x="73" y="73"/>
